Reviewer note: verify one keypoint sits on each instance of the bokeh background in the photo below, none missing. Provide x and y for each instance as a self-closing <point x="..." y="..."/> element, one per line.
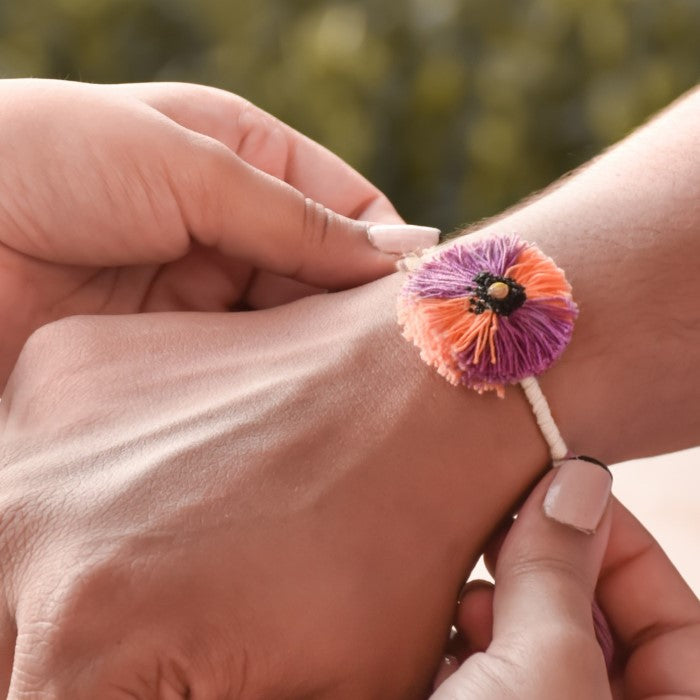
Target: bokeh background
<point x="455" y="108"/>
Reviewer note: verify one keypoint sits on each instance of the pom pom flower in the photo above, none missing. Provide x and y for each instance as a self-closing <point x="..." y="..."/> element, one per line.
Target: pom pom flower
<point x="488" y="312"/>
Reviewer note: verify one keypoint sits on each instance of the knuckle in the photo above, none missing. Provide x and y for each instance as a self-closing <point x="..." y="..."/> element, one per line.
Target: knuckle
<point x="59" y="365"/>
<point x="49" y="356"/>
<point x="316" y="224"/>
<point x="56" y="340"/>
<point x="248" y="117"/>
<point x="133" y="651"/>
<point x="560" y="639"/>
<point x="206" y="164"/>
<point x="260" y="139"/>
<point x="490" y="675"/>
<point x="544" y="567"/>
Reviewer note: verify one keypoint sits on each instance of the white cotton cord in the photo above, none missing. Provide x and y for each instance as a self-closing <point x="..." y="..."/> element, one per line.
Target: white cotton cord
<point x="557" y="447"/>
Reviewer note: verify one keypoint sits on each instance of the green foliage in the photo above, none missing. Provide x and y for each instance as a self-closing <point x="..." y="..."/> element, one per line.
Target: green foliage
<point x="456" y="108"/>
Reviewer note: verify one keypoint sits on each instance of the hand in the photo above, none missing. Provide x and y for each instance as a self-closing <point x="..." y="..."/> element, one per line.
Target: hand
<point x="154" y="197"/>
<point x="146" y="460"/>
<point x="532" y="635"/>
<point x="653" y="613"/>
<point x="184" y="509"/>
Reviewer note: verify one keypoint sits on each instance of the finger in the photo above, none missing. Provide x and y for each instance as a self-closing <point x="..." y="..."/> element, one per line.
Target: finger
<point x="600" y="624"/>
<point x="448" y="665"/>
<point x="548" y="566"/>
<point x="653" y="612"/>
<point x="269" y="145"/>
<point x="494" y="545"/>
<point x="475" y="615"/>
<point x="267" y="290"/>
<point x="457" y="647"/>
<point x="250" y="215"/>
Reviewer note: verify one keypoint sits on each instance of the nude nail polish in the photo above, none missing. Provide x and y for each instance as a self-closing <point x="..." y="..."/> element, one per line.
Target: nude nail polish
<point x="402" y="238"/>
<point x="579" y="494"/>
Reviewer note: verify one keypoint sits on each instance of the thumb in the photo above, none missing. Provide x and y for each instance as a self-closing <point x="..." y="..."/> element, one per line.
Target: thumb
<point x="544" y="644"/>
<point x="246" y="213"/>
<point x="549" y="564"/>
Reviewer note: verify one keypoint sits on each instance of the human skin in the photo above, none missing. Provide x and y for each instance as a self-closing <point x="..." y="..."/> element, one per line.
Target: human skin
<point x="167" y="197"/>
<point x="531" y="635"/>
<point x="195" y="515"/>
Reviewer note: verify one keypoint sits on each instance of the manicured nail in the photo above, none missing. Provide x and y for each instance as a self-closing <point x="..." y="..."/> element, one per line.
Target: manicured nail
<point x="402" y="238"/>
<point x="448" y="666"/>
<point x="579" y="494"/>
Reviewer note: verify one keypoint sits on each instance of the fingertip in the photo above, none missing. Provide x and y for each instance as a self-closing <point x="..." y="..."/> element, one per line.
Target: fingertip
<point x="474" y="586"/>
<point x="547" y="571"/>
<point x="247" y="213"/>
<point x="579" y="494"/>
<point x="475" y="615"/>
<point x="401" y="239"/>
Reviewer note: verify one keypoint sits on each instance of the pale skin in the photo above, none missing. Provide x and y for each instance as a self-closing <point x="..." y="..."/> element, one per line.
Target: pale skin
<point x="530" y="636"/>
<point x="167" y="197"/>
<point x="195" y="516"/>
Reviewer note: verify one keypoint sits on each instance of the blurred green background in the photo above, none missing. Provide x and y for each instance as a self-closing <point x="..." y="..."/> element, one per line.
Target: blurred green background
<point x="456" y="109"/>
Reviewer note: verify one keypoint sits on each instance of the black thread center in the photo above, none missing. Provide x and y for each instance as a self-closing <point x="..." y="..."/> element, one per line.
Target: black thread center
<point x="480" y="299"/>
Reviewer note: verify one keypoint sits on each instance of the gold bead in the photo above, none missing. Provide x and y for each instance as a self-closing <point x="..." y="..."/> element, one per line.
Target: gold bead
<point x="498" y="290"/>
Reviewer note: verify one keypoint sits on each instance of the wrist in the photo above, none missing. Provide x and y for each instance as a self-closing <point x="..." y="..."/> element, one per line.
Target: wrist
<point x="469" y="457"/>
<point x="610" y="394"/>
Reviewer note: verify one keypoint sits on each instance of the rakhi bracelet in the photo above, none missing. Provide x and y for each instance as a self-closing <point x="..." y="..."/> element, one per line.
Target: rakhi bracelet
<point x="489" y="312"/>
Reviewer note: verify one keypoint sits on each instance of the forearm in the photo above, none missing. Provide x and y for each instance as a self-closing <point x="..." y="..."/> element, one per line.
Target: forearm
<point x="312" y="443"/>
<point x="625" y="230"/>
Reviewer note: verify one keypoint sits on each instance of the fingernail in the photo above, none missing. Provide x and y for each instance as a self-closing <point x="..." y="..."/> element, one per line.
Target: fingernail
<point x="402" y="238"/>
<point x="579" y="494"/>
<point x="448" y="666"/>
